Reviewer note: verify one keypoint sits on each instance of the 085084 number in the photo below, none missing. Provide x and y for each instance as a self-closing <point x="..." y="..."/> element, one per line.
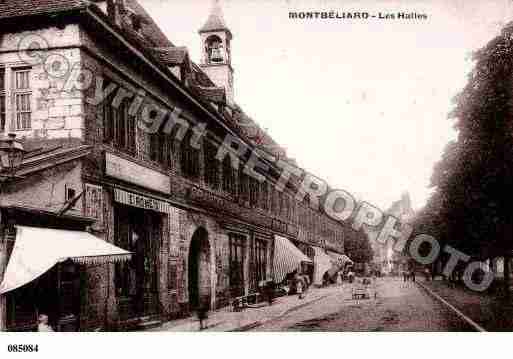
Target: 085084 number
<point x="23" y="348"/>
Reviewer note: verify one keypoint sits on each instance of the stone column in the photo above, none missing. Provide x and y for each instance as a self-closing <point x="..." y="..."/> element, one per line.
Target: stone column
<point x="5" y="241"/>
<point x="3" y="264"/>
<point x="248" y="243"/>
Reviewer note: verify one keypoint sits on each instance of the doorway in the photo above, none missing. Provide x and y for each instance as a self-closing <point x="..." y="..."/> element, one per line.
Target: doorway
<point x="136" y="281"/>
<point x="199" y="270"/>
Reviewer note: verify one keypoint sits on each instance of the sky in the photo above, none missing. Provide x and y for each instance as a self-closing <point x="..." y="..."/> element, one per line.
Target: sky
<point x="362" y="104"/>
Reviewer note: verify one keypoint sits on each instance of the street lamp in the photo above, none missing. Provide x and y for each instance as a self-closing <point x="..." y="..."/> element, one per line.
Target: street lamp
<point x="11" y="156"/>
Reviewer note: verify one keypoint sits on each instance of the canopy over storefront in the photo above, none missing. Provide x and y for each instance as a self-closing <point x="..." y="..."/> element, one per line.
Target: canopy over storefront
<point x="323" y="263"/>
<point x="36" y="250"/>
<point x="339" y="261"/>
<point x="287" y="258"/>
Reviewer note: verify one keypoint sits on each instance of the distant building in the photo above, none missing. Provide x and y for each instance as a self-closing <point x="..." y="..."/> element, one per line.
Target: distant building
<point x="384" y="255"/>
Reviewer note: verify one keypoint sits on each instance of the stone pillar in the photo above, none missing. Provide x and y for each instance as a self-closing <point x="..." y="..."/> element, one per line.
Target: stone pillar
<point x="246" y="260"/>
<point x="3" y="265"/>
<point x="6" y="239"/>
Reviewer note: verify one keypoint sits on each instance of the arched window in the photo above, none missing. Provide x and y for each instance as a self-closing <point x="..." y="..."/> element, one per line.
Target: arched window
<point x="214" y="49"/>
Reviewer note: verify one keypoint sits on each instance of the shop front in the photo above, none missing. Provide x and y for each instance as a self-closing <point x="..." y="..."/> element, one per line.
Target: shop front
<point x="324" y="267"/>
<point x="138" y="228"/>
<point x="46" y="263"/>
<point x="341" y="262"/>
<point x="288" y="259"/>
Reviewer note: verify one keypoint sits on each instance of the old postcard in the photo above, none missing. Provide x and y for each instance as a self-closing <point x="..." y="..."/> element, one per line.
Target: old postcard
<point x="171" y="166"/>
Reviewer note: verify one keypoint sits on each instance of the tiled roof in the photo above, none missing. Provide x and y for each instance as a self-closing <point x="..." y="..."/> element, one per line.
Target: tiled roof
<point x="152" y="37"/>
<point x="212" y="94"/>
<point x="172" y="56"/>
<point x="150" y="29"/>
<point x="16" y="8"/>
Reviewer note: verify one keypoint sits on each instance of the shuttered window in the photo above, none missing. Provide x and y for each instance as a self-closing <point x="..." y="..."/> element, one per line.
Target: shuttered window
<point x="22" y="98"/>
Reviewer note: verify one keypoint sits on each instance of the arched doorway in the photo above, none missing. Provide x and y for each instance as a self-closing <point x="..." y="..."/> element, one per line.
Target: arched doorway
<point x="199" y="269"/>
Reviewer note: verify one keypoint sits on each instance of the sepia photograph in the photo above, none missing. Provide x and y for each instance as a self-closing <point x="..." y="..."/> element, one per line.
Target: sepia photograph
<point x="299" y="166"/>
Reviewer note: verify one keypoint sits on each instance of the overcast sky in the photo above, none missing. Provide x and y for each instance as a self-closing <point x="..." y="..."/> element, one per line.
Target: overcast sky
<point x="361" y="103"/>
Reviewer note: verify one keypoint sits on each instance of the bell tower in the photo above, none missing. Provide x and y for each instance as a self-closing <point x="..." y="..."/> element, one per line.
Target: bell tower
<point x="216" y="58"/>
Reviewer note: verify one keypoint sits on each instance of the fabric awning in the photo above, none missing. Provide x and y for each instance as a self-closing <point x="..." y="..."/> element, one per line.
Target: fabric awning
<point x="323" y="263"/>
<point x="342" y="259"/>
<point x="287" y="258"/>
<point x="36" y="250"/>
<point x="339" y="262"/>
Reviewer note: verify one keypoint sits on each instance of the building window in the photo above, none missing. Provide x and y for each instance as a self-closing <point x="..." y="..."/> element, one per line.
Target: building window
<point x="236" y="264"/>
<point x="211" y="164"/>
<point x="189" y="158"/>
<point x="264" y="197"/>
<point x="243" y="184"/>
<point x="22" y="98"/>
<point x="2" y="100"/>
<point x="167" y="151"/>
<point x="161" y="149"/>
<point x="109" y="114"/>
<point x="287" y="202"/>
<point x="273" y="200"/>
<point x="260" y="260"/>
<point x="118" y="125"/>
<point x="172" y="276"/>
<point x="124" y="128"/>
<point x="228" y="176"/>
<point x="254" y="189"/>
<point x="156" y="145"/>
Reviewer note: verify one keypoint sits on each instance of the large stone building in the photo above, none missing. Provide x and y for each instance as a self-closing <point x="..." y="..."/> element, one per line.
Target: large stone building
<point x="385" y="258"/>
<point x="81" y="84"/>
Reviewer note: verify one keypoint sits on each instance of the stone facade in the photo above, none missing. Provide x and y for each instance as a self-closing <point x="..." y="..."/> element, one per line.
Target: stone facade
<point x="194" y="207"/>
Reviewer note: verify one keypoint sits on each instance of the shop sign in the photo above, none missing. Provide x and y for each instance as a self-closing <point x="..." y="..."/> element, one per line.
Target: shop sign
<point x="129" y="171"/>
<point x="136" y="200"/>
<point x="94" y="202"/>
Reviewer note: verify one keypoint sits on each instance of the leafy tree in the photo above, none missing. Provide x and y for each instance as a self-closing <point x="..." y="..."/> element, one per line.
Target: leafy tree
<point x="357" y="246"/>
<point x="469" y="208"/>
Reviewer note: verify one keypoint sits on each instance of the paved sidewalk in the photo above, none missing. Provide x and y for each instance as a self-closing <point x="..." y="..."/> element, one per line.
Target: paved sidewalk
<point x="225" y="319"/>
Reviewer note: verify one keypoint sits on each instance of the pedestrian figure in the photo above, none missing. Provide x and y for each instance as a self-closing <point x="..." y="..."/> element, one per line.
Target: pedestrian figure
<point x="405" y="276"/>
<point x="300" y="287"/>
<point x="269" y="291"/>
<point x="202" y="313"/>
<point x="412" y="275"/>
<point x="350" y="276"/>
<point x="427" y="274"/>
<point x="43" y="324"/>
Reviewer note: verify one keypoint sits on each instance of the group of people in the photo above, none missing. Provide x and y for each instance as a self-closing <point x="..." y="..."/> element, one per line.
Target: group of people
<point x="408" y="275"/>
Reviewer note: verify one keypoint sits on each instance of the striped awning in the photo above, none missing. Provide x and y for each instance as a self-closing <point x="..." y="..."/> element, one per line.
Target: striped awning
<point x="36" y="250"/>
<point x="322" y="263"/>
<point x="287" y="258"/>
<point x="341" y="259"/>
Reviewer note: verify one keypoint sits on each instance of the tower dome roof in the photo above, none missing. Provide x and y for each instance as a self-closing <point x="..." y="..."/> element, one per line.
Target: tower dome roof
<point x="215" y="21"/>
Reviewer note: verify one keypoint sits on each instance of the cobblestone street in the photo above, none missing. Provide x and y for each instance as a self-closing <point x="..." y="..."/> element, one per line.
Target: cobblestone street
<point x="398" y="306"/>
